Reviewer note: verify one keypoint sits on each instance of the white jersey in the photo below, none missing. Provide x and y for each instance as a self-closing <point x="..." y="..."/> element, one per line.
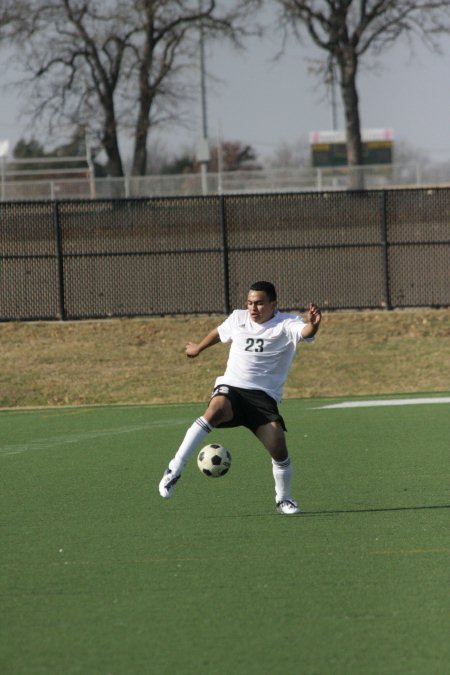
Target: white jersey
<point x="261" y="354"/>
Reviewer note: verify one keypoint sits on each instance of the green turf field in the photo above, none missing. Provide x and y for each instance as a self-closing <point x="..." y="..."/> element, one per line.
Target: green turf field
<point x="100" y="576"/>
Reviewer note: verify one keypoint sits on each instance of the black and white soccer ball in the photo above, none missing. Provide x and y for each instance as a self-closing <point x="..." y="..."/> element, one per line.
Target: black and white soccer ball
<point x="214" y="460"/>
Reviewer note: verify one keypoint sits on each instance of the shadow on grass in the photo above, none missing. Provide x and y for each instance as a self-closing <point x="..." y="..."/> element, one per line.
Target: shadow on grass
<point x="391" y="509"/>
<point x="339" y="512"/>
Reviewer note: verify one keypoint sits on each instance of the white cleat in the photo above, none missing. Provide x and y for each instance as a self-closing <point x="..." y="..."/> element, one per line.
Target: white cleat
<point x="288" y="507"/>
<point x="167" y="483"/>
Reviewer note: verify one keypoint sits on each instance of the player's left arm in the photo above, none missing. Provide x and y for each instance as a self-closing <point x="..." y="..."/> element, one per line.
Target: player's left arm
<point x="314" y="318"/>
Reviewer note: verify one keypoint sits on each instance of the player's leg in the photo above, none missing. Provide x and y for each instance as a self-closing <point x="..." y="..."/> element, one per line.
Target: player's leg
<point x="219" y="410"/>
<point x="273" y="438"/>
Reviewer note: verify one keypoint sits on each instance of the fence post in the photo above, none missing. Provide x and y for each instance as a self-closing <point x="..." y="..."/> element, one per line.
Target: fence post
<point x="385" y="244"/>
<point x="226" y="271"/>
<point x="59" y="258"/>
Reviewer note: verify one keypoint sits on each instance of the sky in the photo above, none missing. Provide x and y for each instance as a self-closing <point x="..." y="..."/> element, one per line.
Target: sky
<point x="265" y="103"/>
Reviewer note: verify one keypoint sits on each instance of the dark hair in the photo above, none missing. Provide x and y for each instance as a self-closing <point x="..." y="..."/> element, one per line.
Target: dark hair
<point x="265" y="286"/>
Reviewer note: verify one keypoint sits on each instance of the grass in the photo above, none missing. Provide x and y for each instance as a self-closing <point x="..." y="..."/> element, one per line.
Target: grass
<point x="102" y="576"/>
<point x="142" y="360"/>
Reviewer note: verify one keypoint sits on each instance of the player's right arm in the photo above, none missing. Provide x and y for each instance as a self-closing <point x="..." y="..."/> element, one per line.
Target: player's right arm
<point x="193" y="349"/>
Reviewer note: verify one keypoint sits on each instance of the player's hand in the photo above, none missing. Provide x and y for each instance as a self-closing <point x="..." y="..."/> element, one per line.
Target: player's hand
<point x="314" y="314"/>
<point x="192" y="350"/>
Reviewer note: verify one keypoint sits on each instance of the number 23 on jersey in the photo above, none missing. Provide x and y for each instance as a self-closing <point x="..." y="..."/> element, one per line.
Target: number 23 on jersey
<point x="254" y="345"/>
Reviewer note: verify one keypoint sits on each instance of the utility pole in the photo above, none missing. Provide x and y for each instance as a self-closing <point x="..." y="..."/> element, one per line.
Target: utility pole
<point x="203" y="145"/>
<point x="4" y="147"/>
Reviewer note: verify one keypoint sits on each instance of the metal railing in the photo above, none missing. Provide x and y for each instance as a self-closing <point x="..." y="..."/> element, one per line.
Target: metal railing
<point x="237" y="182"/>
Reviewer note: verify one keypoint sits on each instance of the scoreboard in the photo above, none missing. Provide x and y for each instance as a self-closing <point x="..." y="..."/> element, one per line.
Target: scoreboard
<point x="329" y="148"/>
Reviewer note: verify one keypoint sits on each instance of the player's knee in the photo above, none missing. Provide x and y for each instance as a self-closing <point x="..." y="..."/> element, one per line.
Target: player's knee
<point x="279" y="454"/>
<point x="277" y="448"/>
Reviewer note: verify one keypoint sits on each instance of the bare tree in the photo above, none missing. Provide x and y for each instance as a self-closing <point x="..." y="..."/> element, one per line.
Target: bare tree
<point x="348" y="31"/>
<point x="163" y="52"/>
<point x="293" y="155"/>
<point x="10" y="20"/>
<point x="115" y="65"/>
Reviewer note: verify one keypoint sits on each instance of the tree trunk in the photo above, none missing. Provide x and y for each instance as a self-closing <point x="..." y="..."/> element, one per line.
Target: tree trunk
<point x="139" y="166"/>
<point x="111" y="146"/>
<point x="352" y="123"/>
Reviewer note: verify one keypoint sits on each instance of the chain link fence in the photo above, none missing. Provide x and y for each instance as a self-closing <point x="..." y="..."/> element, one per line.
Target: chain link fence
<point x="193" y="255"/>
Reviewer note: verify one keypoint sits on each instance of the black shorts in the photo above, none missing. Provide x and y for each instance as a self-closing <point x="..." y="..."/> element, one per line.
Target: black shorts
<point x="251" y="407"/>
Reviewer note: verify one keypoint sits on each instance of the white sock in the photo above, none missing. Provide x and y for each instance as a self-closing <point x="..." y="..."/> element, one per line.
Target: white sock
<point x="194" y="436"/>
<point x="282" y="473"/>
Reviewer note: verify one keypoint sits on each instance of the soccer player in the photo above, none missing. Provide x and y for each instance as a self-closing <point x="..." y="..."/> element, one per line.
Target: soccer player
<point x="263" y="344"/>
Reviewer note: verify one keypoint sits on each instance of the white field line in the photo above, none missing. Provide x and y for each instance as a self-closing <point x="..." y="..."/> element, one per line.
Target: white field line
<point x="83" y="437"/>
<point x="385" y="402"/>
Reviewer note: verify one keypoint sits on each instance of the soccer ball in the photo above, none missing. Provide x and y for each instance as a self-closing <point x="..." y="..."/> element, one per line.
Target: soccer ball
<point x="214" y="460"/>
